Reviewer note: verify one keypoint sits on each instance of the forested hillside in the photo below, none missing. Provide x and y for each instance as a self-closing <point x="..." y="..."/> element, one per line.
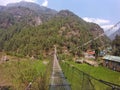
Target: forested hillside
<point x="116" y="45"/>
<point x="24" y="32"/>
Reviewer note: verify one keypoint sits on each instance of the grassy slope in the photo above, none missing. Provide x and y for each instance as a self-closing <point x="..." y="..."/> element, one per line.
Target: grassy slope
<point x="100" y="72"/>
<point x="19" y="73"/>
<point x="79" y="81"/>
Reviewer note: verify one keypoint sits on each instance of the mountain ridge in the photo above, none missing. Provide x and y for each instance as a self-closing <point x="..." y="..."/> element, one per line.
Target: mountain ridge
<point x="23" y="36"/>
<point x="33" y="6"/>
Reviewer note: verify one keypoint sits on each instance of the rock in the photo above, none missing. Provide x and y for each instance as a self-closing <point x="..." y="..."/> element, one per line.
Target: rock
<point x="79" y="61"/>
<point x="4" y="58"/>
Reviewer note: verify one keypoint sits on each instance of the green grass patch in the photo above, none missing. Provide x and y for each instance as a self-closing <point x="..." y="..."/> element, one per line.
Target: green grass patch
<point x="99" y="72"/>
<point x="81" y="81"/>
<point x="19" y="74"/>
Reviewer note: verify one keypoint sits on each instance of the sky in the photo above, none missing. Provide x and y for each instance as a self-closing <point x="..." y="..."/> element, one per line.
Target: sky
<point x="106" y="13"/>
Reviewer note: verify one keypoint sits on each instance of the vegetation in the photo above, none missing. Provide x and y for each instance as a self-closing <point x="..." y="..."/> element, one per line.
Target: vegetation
<point x="95" y="46"/>
<point x="75" y="74"/>
<point x="31" y="30"/>
<point x="116" y="46"/>
<point x="64" y="31"/>
<point x="18" y="74"/>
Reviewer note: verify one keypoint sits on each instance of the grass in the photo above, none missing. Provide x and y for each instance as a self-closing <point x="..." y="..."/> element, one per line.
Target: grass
<point x="80" y="81"/>
<point x="18" y="74"/>
<point x="99" y="72"/>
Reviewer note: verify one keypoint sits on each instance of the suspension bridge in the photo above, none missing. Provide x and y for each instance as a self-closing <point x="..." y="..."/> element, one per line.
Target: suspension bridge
<point x="59" y="82"/>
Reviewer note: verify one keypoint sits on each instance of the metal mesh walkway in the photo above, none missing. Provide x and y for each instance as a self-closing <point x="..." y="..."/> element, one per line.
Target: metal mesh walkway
<point x="58" y="81"/>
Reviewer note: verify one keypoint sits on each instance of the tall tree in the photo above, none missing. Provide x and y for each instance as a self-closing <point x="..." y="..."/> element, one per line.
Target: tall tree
<point x="94" y="45"/>
<point x="116" y="46"/>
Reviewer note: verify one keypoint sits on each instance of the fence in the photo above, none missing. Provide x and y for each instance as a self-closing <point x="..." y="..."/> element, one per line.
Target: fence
<point x="80" y="80"/>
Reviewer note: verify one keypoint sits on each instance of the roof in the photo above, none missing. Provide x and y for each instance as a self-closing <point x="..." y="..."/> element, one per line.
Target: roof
<point x="112" y="58"/>
<point x="90" y="52"/>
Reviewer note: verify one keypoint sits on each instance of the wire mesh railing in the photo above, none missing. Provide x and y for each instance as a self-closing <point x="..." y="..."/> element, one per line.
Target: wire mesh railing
<point x="80" y="80"/>
<point x="58" y="80"/>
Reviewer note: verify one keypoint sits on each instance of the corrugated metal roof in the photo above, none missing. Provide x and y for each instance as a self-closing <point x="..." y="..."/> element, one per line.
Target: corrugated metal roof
<point x="112" y="58"/>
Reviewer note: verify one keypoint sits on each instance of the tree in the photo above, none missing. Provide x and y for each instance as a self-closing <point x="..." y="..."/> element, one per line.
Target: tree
<point x="94" y="45"/>
<point x="116" y="46"/>
<point x="97" y="51"/>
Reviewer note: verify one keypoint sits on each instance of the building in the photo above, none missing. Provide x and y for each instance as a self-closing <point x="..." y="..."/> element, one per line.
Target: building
<point x="112" y="62"/>
<point x="102" y="53"/>
<point x="89" y="54"/>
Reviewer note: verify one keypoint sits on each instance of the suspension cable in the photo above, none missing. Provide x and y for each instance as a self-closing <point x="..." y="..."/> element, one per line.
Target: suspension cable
<point x="99" y="35"/>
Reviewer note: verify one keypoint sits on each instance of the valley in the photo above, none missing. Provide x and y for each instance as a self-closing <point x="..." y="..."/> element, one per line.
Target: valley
<point x="35" y="39"/>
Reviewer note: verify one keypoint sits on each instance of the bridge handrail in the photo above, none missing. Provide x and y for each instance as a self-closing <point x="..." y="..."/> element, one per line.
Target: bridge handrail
<point x="110" y="84"/>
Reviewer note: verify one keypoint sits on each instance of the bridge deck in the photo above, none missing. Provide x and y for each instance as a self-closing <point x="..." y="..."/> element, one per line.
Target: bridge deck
<point x="58" y="81"/>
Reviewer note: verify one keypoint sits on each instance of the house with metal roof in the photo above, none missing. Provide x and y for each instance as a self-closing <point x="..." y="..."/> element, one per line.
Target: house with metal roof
<point x="112" y="62"/>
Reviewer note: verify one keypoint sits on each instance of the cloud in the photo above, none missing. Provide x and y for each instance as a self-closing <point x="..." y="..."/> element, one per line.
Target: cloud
<point x="105" y="24"/>
<point x="45" y="3"/>
<point x="96" y="20"/>
<point x="106" y="27"/>
<point x="109" y="29"/>
<point x="5" y="2"/>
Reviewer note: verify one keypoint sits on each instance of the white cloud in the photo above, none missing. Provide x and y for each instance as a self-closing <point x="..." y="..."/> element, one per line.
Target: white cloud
<point x="5" y="2"/>
<point x="105" y="24"/>
<point x="109" y="29"/>
<point x="45" y="3"/>
<point x="96" y="20"/>
<point x="106" y="27"/>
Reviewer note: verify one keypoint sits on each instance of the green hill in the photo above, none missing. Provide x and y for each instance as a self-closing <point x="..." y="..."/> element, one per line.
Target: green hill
<point x="26" y="33"/>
